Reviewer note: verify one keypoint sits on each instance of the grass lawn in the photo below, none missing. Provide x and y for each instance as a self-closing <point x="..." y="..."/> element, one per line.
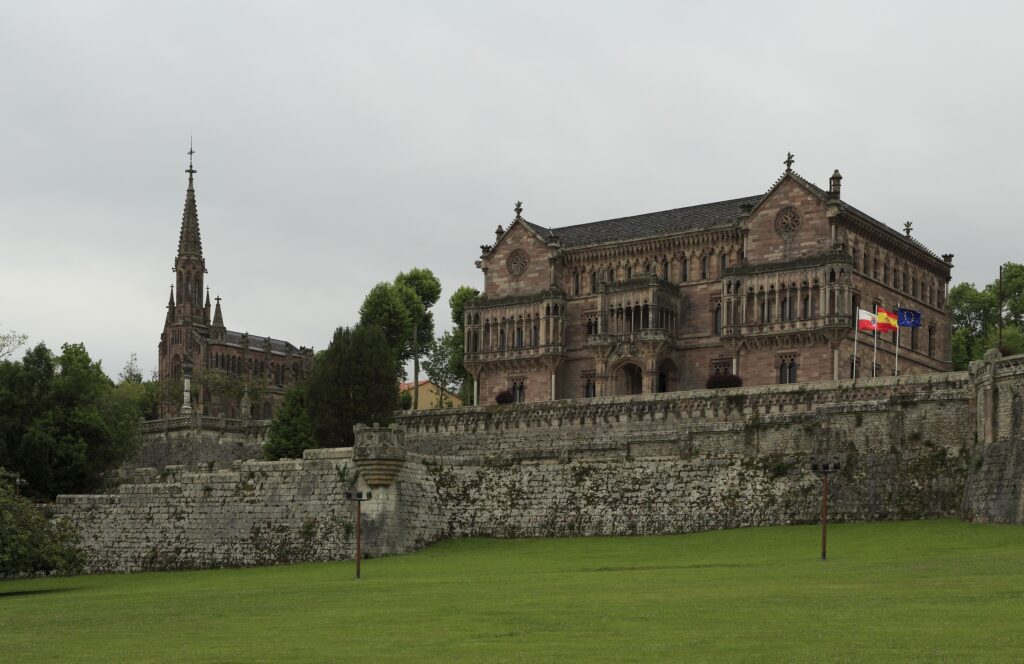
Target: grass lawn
<point x="929" y="591"/>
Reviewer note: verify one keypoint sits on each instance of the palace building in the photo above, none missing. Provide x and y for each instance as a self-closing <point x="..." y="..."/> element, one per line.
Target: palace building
<point x="766" y="287"/>
<point x="233" y="374"/>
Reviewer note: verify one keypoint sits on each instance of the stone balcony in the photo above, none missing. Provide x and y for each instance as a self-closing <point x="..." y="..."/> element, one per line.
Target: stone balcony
<point x="778" y="327"/>
<point x="525" y="352"/>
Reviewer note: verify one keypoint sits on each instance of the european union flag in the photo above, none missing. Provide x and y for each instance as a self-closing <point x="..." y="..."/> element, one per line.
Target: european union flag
<point x="908" y="318"/>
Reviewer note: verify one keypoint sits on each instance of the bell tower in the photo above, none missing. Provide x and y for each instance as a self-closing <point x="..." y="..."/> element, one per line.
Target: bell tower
<point x="189" y="266"/>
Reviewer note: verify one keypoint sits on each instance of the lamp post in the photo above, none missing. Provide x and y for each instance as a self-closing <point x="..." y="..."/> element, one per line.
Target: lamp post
<point x="358" y="498"/>
<point x="824" y="466"/>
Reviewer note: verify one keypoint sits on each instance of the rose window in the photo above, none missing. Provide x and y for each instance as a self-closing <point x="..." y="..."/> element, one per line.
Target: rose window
<point x="517" y="262"/>
<point x="787" y="223"/>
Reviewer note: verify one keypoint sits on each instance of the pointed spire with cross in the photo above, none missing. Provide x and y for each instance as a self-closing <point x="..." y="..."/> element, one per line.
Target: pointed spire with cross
<point x="191" y="151"/>
<point x="789" y="162"/>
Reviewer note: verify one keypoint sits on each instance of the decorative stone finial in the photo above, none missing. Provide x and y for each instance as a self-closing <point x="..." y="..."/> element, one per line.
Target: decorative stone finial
<point x="834" y="183"/>
<point x="519" y="210"/>
<point x="907" y="227"/>
<point x="789" y="162"/>
<point x="498" y="232"/>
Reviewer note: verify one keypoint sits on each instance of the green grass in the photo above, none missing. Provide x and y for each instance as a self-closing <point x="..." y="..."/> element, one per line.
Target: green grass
<point x="924" y="591"/>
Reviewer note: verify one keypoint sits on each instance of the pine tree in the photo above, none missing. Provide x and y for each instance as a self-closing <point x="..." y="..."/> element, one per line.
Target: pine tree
<point x="291" y="431"/>
<point x="352" y="382"/>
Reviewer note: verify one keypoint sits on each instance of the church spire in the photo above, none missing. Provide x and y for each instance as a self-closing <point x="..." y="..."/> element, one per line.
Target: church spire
<point x="170" y="306"/>
<point x="218" y="317"/>
<point x="189" y="242"/>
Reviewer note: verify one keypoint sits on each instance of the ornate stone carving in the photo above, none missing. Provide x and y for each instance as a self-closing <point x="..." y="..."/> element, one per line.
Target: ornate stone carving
<point x="518" y="262"/>
<point x="787" y="223"/>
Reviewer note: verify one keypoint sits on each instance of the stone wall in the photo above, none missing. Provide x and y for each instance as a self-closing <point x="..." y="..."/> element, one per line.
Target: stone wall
<point x="996" y="467"/>
<point x="668" y="463"/>
<point x="699" y="460"/>
<point x="256" y="513"/>
<point x="197" y="441"/>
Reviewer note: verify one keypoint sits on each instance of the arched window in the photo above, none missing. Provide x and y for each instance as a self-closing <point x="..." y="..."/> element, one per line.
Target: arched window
<point x="664" y="270"/>
<point x="575" y="283"/>
<point x="593" y="282"/>
<point x="684" y="270"/>
<point x="723" y="262"/>
<point x="704" y="267"/>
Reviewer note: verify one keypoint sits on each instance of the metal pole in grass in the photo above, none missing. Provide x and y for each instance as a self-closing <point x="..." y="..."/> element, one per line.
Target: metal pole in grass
<point x="824" y="467"/>
<point x="359" y="498"/>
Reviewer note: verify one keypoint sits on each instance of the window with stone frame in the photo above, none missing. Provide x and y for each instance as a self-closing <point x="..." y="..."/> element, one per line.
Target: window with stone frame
<point x="704" y="267"/>
<point x="931" y="341"/>
<point x="721" y="367"/>
<point x="589" y="384"/>
<point x="665" y="270"/>
<point x="575" y="282"/>
<point x="716" y="316"/>
<point x="593" y="281"/>
<point x="787" y="364"/>
<point x="723" y="263"/>
<point x="518" y="388"/>
<point x="629" y="272"/>
<point x="684" y="270"/>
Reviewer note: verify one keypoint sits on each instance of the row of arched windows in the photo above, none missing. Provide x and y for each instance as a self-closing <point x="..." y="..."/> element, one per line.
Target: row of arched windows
<point x="670" y="268"/>
<point x="898" y="274"/>
<point x="236" y="365"/>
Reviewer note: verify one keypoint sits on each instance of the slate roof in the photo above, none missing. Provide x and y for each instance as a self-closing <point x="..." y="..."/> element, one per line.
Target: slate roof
<point x="652" y="224"/>
<point x="695" y="217"/>
<point x="233" y="338"/>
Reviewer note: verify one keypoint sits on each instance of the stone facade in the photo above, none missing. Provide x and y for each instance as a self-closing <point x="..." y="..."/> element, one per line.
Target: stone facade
<point x="766" y="287"/>
<point x="233" y="374"/>
<point x="197" y="441"/>
<point x="995" y="487"/>
<point x="646" y="464"/>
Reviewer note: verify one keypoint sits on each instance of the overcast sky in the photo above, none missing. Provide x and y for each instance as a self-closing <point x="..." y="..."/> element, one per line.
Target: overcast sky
<point x="340" y="143"/>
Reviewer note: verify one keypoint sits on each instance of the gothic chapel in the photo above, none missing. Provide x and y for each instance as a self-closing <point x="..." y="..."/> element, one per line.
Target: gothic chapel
<point x="766" y="287"/>
<point x="234" y="374"/>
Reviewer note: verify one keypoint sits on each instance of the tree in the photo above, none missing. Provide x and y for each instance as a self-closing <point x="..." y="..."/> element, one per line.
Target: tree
<point x="439" y="367"/>
<point x="976" y="316"/>
<point x="10" y="343"/>
<point x="29" y="543"/>
<point x="387" y="307"/>
<point x="131" y="373"/>
<point x="428" y="289"/>
<point x="458" y="301"/>
<point x="291" y="431"/>
<point x="353" y="382"/>
<point x="62" y="423"/>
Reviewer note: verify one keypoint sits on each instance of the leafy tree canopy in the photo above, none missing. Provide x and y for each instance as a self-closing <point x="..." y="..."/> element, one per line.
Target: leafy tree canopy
<point x="62" y="422"/>
<point x="29" y="543"/>
<point x="976" y="314"/>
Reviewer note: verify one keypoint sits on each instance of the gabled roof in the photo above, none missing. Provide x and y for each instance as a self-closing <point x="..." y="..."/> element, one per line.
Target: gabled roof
<point x="652" y="224"/>
<point x="846" y="207"/>
<point x="233" y="338"/>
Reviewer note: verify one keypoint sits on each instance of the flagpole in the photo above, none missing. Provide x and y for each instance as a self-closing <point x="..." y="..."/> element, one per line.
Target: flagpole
<point x="897" y="369"/>
<point x="856" y="333"/>
<point x="874" y="354"/>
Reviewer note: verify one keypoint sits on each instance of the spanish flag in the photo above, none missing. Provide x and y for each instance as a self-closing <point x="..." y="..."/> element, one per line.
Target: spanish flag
<point x="886" y="320"/>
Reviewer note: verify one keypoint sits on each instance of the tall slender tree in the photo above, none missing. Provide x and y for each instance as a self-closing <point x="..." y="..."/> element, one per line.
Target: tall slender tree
<point x="428" y="289"/>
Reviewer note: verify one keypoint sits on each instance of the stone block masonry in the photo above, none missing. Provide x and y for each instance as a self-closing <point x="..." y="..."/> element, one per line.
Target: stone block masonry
<point x="647" y="464"/>
<point x="697" y="461"/>
<point x="257" y="513"/>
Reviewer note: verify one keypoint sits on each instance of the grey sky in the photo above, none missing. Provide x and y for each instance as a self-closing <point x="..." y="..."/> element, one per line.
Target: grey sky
<point x="339" y="143"/>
